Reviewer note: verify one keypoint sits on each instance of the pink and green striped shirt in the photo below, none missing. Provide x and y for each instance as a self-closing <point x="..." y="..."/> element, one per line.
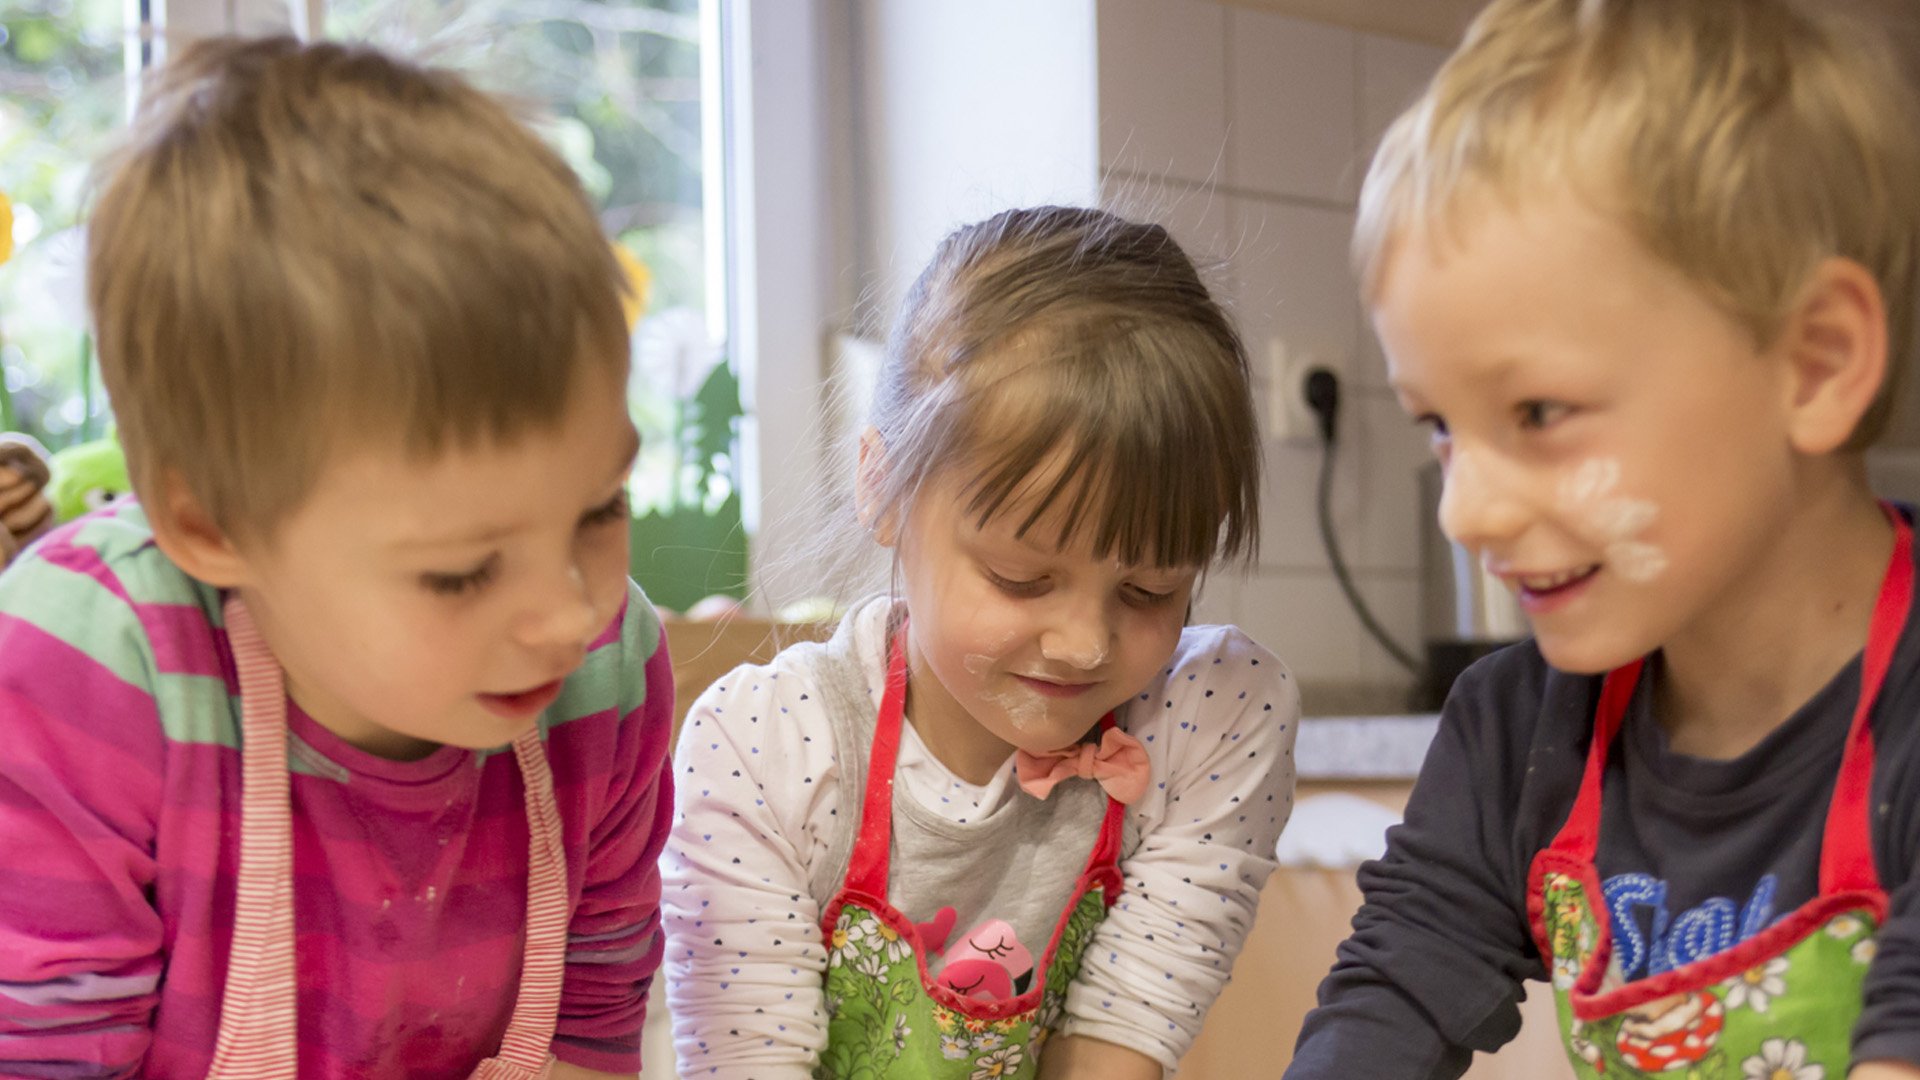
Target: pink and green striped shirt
<point x="119" y="842"/>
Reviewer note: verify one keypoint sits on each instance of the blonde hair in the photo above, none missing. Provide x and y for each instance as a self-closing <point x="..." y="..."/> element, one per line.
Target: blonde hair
<point x="300" y="246"/>
<point x="1072" y="347"/>
<point x="1740" y="142"/>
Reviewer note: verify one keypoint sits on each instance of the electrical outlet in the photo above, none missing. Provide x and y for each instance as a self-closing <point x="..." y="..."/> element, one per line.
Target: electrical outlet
<point x="1289" y="419"/>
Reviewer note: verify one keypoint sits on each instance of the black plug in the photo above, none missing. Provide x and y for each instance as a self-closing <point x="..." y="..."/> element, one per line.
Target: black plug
<point x="1323" y="397"/>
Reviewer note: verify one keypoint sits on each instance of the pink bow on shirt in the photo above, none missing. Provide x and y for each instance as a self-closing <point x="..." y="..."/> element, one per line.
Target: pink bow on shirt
<point x="1119" y="763"/>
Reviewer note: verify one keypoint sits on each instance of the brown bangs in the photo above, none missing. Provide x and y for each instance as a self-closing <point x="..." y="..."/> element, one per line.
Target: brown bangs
<point x="1079" y="441"/>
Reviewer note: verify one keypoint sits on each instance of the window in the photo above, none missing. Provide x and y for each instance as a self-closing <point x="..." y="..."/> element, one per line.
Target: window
<point x="625" y="89"/>
<point x="629" y="95"/>
<point x="64" y="85"/>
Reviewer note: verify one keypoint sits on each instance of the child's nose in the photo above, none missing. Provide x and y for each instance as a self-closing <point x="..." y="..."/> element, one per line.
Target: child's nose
<point x="564" y="613"/>
<point x="1081" y="638"/>
<point x="1479" y="504"/>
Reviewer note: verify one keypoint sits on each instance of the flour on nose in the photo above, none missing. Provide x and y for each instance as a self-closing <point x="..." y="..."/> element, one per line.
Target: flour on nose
<point x="1089" y="660"/>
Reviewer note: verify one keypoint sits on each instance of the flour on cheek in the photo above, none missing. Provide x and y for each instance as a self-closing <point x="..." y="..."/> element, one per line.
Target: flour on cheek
<point x="1611" y="521"/>
<point x="1024" y="708"/>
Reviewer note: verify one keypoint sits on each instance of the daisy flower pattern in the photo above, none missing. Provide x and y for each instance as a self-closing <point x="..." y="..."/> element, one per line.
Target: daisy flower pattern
<point x="1756" y="987"/>
<point x="1844" y="927"/>
<point x="838" y="948"/>
<point x="1578" y="1042"/>
<point x="1864" y="951"/>
<point x="1782" y="1059"/>
<point x="872" y="966"/>
<point x="1566" y="971"/>
<point x="889" y="942"/>
<point x="1000" y="1063"/>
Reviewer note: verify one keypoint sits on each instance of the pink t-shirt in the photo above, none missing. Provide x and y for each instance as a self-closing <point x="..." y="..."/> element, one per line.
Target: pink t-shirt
<point x="120" y="839"/>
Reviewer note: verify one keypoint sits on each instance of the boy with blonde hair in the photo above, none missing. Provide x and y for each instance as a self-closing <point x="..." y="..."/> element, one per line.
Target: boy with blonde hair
<point x="342" y="748"/>
<point x="1646" y="269"/>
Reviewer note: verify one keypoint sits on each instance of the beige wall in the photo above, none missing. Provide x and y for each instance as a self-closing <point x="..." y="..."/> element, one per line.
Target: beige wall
<point x="1441" y="22"/>
<point x="1246" y="132"/>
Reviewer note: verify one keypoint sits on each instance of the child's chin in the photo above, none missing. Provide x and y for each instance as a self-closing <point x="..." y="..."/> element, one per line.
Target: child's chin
<point x="1585" y="654"/>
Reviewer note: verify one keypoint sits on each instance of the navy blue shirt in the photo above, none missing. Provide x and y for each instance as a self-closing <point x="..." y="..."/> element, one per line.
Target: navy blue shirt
<point x="1695" y="855"/>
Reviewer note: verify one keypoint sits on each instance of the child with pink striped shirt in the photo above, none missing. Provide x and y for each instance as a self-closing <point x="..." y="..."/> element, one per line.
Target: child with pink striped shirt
<point x="342" y="749"/>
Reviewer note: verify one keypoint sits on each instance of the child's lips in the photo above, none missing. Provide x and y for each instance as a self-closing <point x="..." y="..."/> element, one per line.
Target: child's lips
<point x="1055" y="689"/>
<point x="523" y="704"/>
<point x="1542" y="593"/>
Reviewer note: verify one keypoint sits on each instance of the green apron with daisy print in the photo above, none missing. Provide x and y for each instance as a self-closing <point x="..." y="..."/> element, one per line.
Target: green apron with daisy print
<point x="1780" y="1005"/>
<point x="887" y="1019"/>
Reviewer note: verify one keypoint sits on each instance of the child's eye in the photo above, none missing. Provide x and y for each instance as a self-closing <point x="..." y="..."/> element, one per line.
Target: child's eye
<point x="457" y="584"/>
<point x="1015" y="587"/>
<point x="1540" y="414"/>
<point x="1140" y="597"/>
<point x="1437" y="434"/>
<point x="607" y="514"/>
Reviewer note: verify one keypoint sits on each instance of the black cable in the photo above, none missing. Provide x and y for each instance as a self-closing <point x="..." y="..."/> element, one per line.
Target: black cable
<point x="1323" y="396"/>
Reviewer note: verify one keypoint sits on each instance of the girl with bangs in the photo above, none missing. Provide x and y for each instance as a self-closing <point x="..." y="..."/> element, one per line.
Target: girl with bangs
<point x="1014" y="818"/>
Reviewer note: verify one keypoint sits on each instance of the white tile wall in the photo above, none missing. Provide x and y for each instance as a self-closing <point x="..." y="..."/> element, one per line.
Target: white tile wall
<point x="1392" y="450"/>
<point x="1196" y="214"/>
<point x="1305" y="619"/>
<point x="1290" y="106"/>
<point x="1289" y="527"/>
<point x="1163" y="87"/>
<point x="1394" y="599"/>
<point x="1392" y="73"/>
<point x="1292" y="279"/>
<point x="1299" y="106"/>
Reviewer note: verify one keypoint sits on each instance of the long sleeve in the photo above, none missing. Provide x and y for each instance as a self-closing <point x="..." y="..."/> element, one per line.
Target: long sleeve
<point x="1439" y="948"/>
<point x="614" y="941"/>
<point x="745" y="959"/>
<point x="80" y="788"/>
<point x="1889" y="1024"/>
<point x="1220" y="729"/>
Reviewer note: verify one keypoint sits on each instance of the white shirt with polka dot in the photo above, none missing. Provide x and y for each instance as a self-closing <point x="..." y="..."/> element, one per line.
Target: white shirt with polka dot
<point x="758" y="804"/>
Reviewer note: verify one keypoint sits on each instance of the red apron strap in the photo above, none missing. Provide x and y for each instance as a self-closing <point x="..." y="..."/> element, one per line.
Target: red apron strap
<point x="1580" y="836"/>
<point x="872" y="846"/>
<point x="1106" y="848"/>
<point x="1846" y="854"/>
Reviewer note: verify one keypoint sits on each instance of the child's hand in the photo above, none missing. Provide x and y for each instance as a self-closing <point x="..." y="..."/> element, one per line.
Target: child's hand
<point x="1075" y="1057"/>
<point x="23" y="510"/>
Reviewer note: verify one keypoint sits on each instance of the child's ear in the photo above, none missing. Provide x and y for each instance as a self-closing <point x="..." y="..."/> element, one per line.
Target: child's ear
<point x="869" y="480"/>
<point x="1836" y="343"/>
<point x="188" y="535"/>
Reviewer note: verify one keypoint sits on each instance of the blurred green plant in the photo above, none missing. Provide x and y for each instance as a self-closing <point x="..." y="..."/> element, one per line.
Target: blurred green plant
<point x="63" y="92"/>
